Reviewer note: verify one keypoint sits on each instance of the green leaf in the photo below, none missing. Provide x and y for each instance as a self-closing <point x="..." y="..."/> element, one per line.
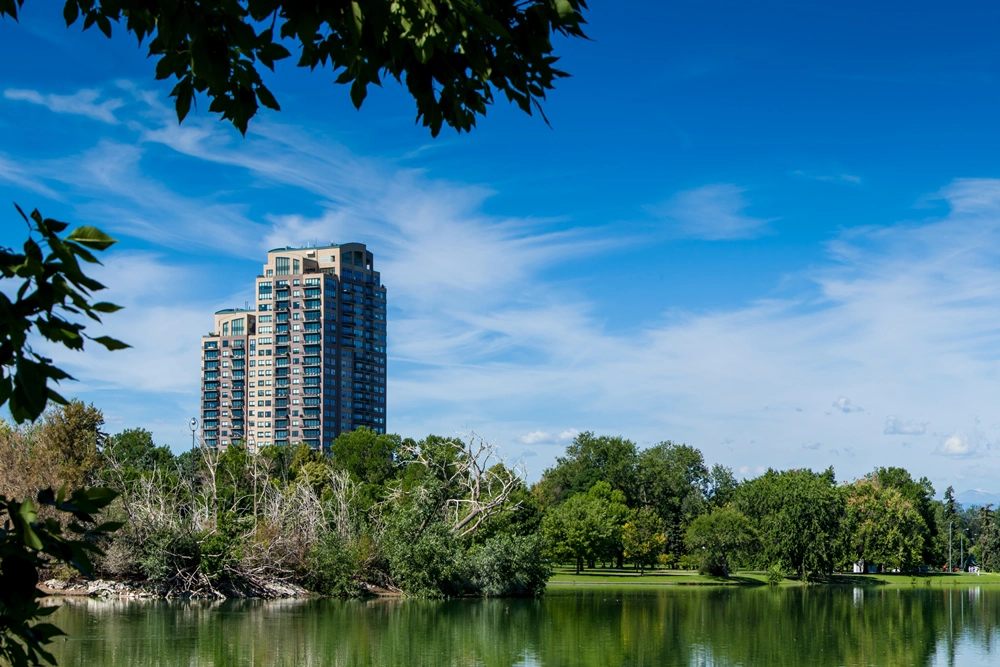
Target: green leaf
<point x="105" y="307"/>
<point x="91" y="237"/>
<point x="70" y="12"/>
<point x="111" y="343"/>
<point x="108" y="527"/>
<point x="27" y="511"/>
<point x="359" y="91"/>
<point x="101" y="496"/>
<point x="267" y="99"/>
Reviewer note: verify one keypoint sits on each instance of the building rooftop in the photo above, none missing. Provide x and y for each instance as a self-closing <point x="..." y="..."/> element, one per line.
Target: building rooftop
<point x="315" y="247"/>
<point x="226" y="311"/>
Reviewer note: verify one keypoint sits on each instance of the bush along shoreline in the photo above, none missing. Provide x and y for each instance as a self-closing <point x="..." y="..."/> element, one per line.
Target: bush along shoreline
<point x="379" y="515"/>
<point x="448" y="517"/>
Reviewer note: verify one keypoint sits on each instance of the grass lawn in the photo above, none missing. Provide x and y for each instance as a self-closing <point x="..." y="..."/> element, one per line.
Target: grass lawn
<point x="566" y="576"/>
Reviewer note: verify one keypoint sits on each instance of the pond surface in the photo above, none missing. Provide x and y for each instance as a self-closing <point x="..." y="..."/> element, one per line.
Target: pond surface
<point x="570" y="627"/>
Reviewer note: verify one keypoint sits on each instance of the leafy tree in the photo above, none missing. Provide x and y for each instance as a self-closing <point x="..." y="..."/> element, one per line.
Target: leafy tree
<point x="989" y="541"/>
<point x="510" y="565"/>
<point x="372" y="460"/>
<point x="798" y="517"/>
<point x="718" y="538"/>
<point x="50" y="286"/>
<point x="590" y="459"/>
<point x="71" y="436"/>
<point x="721" y="486"/>
<point x="586" y="527"/>
<point x="643" y="538"/>
<point x="136" y="452"/>
<point x="309" y="467"/>
<point x="673" y="480"/>
<point x="883" y="526"/>
<point x="920" y="495"/>
<point x="25" y="544"/>
<point x="452" y="54"/>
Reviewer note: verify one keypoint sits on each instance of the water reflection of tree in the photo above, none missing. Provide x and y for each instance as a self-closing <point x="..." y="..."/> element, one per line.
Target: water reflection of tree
<point x="591" y="628"/>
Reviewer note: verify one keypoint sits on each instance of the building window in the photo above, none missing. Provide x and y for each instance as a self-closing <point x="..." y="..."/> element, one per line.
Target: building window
<point x="281" y="266"/>
<point x="239" y="327"/>
<point x="225" y="328"/>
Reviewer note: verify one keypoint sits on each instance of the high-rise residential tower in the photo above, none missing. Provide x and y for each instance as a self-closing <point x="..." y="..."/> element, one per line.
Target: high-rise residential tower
<point x="308" y="361"/>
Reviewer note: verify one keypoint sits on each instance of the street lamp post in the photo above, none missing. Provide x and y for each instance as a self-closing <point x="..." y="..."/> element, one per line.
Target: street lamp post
<point x="193" y="424"/>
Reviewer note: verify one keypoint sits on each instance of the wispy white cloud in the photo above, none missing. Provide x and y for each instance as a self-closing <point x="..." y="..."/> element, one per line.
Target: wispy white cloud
<point x="896" y="426"/>
<point x="713" y="212"/>
<point x="840" y="177"/>
<point x="82" y="103"/>
<point x="486" y="332"/>
<point x="843" y="404"/>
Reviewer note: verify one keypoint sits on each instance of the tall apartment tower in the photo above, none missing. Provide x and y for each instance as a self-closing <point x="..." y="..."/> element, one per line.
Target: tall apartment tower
<point x="307" y="363"/>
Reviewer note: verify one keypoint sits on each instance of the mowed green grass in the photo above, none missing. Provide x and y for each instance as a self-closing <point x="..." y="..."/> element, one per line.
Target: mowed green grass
<point x="566" y="576"/>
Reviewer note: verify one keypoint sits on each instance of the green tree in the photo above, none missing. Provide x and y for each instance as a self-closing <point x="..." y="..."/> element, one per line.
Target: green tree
<point x="134" y="450"/>
<point x="883" y="526"/>
<point x="590" y="459"/>
<point x="797" y="516"/>
<point x="920" y="495"/>
<point x="721" y="486"/>
<point x="718" y="538"/>
<point x="643" y="538"/>
<point x="451" y="54"/>
<point x="371" y="459"/>
<point x="989" y="541"/>
<point x="586" y="527"/>
<point x="673" y="480"/>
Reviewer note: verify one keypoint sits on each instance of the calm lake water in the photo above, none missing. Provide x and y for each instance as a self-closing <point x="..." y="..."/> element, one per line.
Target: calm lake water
<point x="569" y="626"/>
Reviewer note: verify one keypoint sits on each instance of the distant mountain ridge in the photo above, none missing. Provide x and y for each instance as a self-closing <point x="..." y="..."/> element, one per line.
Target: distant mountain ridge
<point x="979" y="498"/>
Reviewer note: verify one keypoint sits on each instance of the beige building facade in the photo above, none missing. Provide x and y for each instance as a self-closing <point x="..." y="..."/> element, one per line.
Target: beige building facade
<point x="308" y="361"/>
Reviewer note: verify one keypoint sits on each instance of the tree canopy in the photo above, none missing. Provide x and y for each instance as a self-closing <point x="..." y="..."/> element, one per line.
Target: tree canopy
<point x="452" y="55"/>
<point x="797" y="516"/>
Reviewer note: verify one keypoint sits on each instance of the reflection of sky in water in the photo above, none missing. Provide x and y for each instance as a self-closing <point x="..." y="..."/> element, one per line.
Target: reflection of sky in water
<point x="921" y="625"/>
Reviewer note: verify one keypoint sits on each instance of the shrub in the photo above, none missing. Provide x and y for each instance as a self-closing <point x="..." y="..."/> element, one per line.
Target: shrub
<point x="509" y="566"/>
<point x="331" y="568"/>
<point x="167" y="552"/>
<point x="431" y="565"/>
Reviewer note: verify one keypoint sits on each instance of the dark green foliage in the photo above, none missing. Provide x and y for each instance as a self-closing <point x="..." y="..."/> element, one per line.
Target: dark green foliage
<point x="591" y="459"/>
<point x="27" y="544"/>
<point x="721" y="486"/>
<point x="989" y="541"/>
<point x="371" y="459"/>
<point x="719" y="539"/>
<point x="425" y="559"/>
<point x="673" y="481"/>
<point x="510" y="566"/>
<point x="451" y="54"/>
<point x="50" y="286"/>
<point x="331" y="568"/>
<point x="135" y="451"/>
<point x="798" y="516"/>
<point x="587" y="527"/>
<point x="167" y="552"/>
<point x="920" y="495"/>
<point x="222" y="549"/>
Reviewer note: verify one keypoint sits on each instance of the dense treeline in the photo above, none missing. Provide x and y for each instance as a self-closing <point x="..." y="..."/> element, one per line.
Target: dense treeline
<point x="608" y="502"/>
<point x="445" y="517"/>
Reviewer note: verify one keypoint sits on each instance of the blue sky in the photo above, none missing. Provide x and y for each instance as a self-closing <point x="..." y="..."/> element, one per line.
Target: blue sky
<point x="769" y="231"/>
